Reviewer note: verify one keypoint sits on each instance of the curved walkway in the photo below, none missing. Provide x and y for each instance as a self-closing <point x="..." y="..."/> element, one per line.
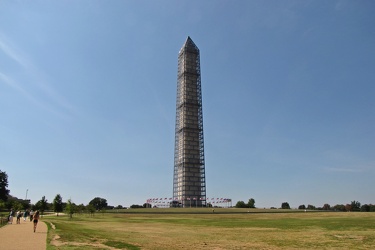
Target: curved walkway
<point x="22" y="236"/>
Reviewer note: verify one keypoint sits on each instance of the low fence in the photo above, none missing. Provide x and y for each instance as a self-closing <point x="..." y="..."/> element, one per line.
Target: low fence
<point x="3" y="220"/>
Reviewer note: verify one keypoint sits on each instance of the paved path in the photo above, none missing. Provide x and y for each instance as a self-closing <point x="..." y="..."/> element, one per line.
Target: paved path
<point x="22" y="236"/>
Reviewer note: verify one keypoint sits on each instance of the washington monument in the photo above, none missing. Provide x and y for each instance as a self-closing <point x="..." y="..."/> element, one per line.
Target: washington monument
<point x="189" y="181"/>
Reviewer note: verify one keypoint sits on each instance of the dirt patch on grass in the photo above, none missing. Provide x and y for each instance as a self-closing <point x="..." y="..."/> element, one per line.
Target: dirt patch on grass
<point x="350" y="237"/>
<point x="58" y="243"/>
<point x="102" y="244"/>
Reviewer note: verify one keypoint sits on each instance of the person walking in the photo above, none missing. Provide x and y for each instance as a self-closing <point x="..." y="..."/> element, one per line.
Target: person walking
<point x="11" y="215"/>
<point x="19" y="215"/>
<point x="35" y="219"/>
<point x="25" y="214"/>
<point x="31" y="215"/>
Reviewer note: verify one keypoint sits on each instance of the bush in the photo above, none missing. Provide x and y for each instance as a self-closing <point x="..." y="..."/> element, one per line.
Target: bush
<point x="241" y="204"/>
<point x="136" y="206"/>
<point x="285" y="205"/>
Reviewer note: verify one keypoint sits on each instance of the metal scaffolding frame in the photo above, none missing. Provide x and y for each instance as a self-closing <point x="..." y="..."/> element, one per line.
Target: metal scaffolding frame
<point x="189" y="180"/>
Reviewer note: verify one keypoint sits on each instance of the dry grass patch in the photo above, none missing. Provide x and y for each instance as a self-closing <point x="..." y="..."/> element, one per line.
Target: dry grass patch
<point x="217" y="231"/>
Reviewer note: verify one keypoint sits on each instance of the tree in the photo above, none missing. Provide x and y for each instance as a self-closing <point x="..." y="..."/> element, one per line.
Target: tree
<point x="14" y="203"/>
<point x="42" y="205"/>
<point x="339" y="207"/>
<point x="311" y="207"/>
<point x="70" y="208"/>
<point x="348" y="207"/>
<point x="91" y="209"/>
<point x="285" y="205"/>
<point x="99" y="203"/>
<point x="146" y="205"/>
<point x="251" y="203"/>
<point x="25" y="204"/>
<point x="356" y="206"/>
<point x="80" y="208"/>
<point x="302" y="207"/>
<point x="326" y="207"/>
<point x="57" y="204"/>
<point x="136" y="206"/>
<point x="241" y="204"/>
<point x="4" y="192"/>
<point x="365" y="208"/>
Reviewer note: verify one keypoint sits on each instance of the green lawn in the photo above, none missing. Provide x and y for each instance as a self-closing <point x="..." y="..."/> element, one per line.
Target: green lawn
<point x="203" y="229"/>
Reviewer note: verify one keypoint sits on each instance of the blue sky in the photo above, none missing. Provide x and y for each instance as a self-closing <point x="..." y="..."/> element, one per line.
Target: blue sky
<point x="88" y="91"/>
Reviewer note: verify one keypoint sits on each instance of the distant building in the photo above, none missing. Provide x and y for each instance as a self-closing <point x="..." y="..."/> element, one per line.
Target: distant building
<point x="189" y="181"/>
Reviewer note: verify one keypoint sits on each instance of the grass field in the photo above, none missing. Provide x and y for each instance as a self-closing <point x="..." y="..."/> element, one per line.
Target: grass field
<point x="203" y="229"/>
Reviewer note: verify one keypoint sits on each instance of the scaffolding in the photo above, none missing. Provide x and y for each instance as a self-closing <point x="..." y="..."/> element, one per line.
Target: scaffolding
<point x="189" y="181"/>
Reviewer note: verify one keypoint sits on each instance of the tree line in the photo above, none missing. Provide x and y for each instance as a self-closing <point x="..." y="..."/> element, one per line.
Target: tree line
<point x="8" y="202"/>
<point x="57" y="205"/>
<point x="354" y="206"/>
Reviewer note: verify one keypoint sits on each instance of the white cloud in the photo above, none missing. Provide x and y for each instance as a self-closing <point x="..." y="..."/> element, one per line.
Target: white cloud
<point x="37" y="89"/>
<point x="363" y="167"/>
<point x="344" y="170"/>
<point x="11" y="52"/>
<point x="13" y="84"/>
